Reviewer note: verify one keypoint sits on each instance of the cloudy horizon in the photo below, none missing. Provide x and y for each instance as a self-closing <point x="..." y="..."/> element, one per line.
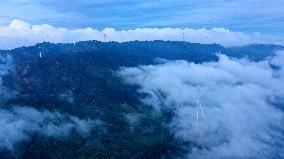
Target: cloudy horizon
<point x="20" y="33"/>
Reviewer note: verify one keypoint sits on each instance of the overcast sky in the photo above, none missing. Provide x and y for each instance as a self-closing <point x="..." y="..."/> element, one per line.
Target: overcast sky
<point x="225" y="22"/>
<point x="264" y="16"/>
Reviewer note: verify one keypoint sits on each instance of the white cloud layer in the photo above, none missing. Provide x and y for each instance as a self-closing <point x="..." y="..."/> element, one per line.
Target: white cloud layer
<point x="242" y="102"/>
<point x="16" y="125"/>
<point x="19" y="33"/>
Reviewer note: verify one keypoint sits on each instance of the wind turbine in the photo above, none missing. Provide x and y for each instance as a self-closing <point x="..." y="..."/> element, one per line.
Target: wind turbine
<point x="105" y="36"/>
<point x="199" y="109"/>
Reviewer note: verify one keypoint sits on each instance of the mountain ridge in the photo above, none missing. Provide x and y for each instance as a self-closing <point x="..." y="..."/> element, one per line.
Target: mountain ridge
<point x="146" y="50"/>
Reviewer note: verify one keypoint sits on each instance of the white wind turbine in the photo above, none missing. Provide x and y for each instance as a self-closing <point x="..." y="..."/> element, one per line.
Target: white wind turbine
<point x="199" y="109"/>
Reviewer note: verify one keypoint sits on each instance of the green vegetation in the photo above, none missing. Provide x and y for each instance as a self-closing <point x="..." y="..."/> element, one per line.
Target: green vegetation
<point x="80" y="79"/>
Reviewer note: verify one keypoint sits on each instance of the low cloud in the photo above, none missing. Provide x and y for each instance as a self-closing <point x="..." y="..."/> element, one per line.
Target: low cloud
<point x="67" y="96"/>
<point x="6" y="67"/>
<point x="19" y="123"/>
<point x="19" y="33"/>
<point x="241" y="103"/>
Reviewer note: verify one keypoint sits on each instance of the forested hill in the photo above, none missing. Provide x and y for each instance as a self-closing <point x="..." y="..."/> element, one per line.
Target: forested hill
<point x="114" y="54"/>
<point x="81" y="80"/>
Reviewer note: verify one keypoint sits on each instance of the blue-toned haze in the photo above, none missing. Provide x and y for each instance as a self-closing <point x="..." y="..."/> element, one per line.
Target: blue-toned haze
<point x="142" y="99"/>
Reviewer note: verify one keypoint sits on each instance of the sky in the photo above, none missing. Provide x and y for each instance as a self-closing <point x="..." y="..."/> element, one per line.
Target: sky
<point x="252" y="17"/>
<point x="265" y="16"/>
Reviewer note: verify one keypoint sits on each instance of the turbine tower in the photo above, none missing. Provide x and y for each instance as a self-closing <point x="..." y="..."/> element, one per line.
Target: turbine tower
<point x="199" y="109"/>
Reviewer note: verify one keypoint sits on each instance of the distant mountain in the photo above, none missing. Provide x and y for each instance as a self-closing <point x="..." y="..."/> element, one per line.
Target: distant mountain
<point x="114" y="54"/>
<point x="254" y="52"/>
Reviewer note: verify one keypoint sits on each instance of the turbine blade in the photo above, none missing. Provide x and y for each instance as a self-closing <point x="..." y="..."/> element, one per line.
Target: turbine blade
<point x="202" y="112"/>
<point x="197" y="116"/>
